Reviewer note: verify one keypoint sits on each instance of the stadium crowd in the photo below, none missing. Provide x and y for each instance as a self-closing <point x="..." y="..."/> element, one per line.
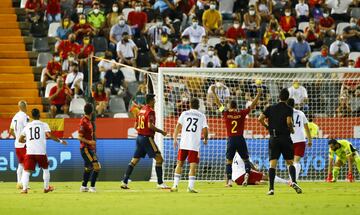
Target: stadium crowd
<point x="148" y="34"/>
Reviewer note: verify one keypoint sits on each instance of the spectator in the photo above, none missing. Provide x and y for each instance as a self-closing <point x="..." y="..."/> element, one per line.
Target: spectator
<point x="187" y="8"/>
<point x="351" y="63"/>
<point x="235" y="32"/>
<point x="202" y="48"/>
<point x="195" y="32"/>
<point x="299" y="94"/>
<point x="169" y="108"/>
<point x="161" y="48"/>
<point x="357" y="63"/>
<point x="339" y="9"/>
<point x="34" y="8"/>
<point x="327" y="25"/>
<point x="184" y="53"/>
<point x="105" y="64"/>
<point x="86" y="50"/>
<point x="299" y="51"/>
<point x="226" y="8"/>
<point x="210" y="60"/>
<point x="53" y="13"/>
<point x="264" y="9"/>
<point x="317" y="12"/>
<point x="260" y="53"/>
<point x="82" y="28"/>
<point x="137" y="19"/>
<point x="302" y="11"/>
<point x="212" y="20"/>
<point x="340" y="50"/>
<point x="244" y="60"/>
<point x="96" y="18"/>
<point x="351" y="35"/>
<point x="115" y="82"/>
<point x="79" y="10"/>
<point x="323" y="60"/>
<point x="139" y="97"/>
<point x="126" y="50"/>
<point x="143" y="57"/>
<point x="221" y="90"/>
<point x="158" y="29"/>
<point x="59" y="98"/>
<point x="223" y="50"/>
<point x="112" y="18"/>
<point x="69" y="45"/>
<point x="344" y="108"/>
<point x="101" y="99"/>
<point x="252" y="23"/>
<point x="273" y="31"/>
<point x="312" y="35"/>
<point x="38" y="28"/>
<point x="63" y="31"/>
<point x="231" y="63"/>
<point x="72" y="57"/>
<point x="288" y="23"/>
<point x="74" y="80"/>
<point x="51" y="71"/>
<point x="117" y="31"/>
<point x="170" y="61"/>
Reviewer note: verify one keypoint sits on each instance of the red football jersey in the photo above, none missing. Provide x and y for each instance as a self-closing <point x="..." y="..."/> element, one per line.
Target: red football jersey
<point x="145" y="115"/>
<point x="235" y="121"/>
<point x="86" y="130"/>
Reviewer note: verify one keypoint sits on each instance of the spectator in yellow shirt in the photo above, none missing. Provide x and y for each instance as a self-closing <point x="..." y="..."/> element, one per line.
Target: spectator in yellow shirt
<point x="212" y="20"/>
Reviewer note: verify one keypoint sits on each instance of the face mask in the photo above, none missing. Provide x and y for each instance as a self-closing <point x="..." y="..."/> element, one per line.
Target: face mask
<point x="86" y="41"/>
<point x="170" y="59"/>
<point x="351" y="66"/>
<point x="232" y="65"/>
<point x="115" y="9"/>
<point x="71" y="59"/>
<point x="211" y="53"/>
<point x="287" y="13"/>
<point x="96" y="11"/>
<point x="212" y="7"/>
<point x="236" y="25"/>
<point x="185" y="42"/>
<point x="122" y="22"/>
<point x="66" y="23"/>
<point x="194" y="24"/>
<point x="159" y="24"/>
<point x="164" y="39"/>
<point x="339" y="43"/>
<point x="114" y="70"/>
<point x="79" y="10"/>
<point x="57" y="59"/>
<point x="325" y="15"/>
<point x="253" y="46"/>
<point x="138" y="9"/>
<point x="153" y="66"/>
<point x="324" y="53"/>
<point x="82" y="21"/>
<point x="243" y="52"/>
<point x="252" y="12"/>
<point x="296" y="85"/>
<point x="240" y="42"/>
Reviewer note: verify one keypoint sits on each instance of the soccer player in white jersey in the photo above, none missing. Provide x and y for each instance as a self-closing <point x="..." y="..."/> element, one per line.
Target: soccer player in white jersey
<point x="298" y="137"/>
<point x="191" y="123"/>
<point x="34" y="135"/>
<point x="18" y="123"/>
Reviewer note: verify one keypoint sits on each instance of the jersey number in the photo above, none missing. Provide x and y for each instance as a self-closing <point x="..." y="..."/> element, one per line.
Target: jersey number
<point x="234" y="126"/>
<point x="35" y="134"/>
<point x="141" y="122"/>
<point x="297" y="121"/>
<point x="192" y="126"/>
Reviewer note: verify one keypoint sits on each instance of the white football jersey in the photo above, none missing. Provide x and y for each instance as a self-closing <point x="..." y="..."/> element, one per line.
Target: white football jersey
<point x="35" y="133"/>
<point x="192" y="121"/>
<point x="238" y="167"/>
<point x="300" y="120"/>
<point x="18" y="123"/>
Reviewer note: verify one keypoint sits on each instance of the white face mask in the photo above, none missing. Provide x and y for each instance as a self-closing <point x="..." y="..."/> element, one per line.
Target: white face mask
<point x="325" y="15"/>
<point x="137" y="9"/>
<point x="211" y="53"/>
<point x="236" y="25"/>
<point x="122" y="22"/>
<point x="243" y="52"/>
<point x="251" y="12"/>
<point x="350" y="66"/>
<point x="194" y="24"/>
<point x="115" y="9"/>
<point x="352" y="24"/>
<point x="240" y="42"/>
<point x="169" y="59"/>
<point x="287" y="13"/>
<point x="339" y="43"/>
<point x="153" y="66"/>
<point x="114" y="70"/>
<point x="71" y="59"/>
<point x="252" y="45"/>
<point x="79" y="10"/>
<point x="57" y="59"/>
<point x="212" y="7"/>
<point x="96" y="11"/>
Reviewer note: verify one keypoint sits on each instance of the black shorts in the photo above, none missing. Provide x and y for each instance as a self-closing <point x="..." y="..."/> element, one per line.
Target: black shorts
<point x="281" y="145"/>
<point x="236" y="144"/>
<point x="145" y="145"/>
<point x="89" y="157"/>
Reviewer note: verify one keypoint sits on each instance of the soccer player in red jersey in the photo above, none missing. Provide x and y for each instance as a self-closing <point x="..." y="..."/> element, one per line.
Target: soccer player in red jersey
<point x="235" y="121"/>
<point x="145" y="126"/>
<point x="88" y="150"/>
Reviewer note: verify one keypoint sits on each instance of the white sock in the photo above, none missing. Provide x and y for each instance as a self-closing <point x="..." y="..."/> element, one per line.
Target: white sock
<point x="25" y="179"/>
<point x="298" y="169"/>
<point x="19" y="173"/>
<point x="176" y="179"/>
<point x="280" y="180"/>
<point x="192" y="181"/>
<point x="46" y="177"/>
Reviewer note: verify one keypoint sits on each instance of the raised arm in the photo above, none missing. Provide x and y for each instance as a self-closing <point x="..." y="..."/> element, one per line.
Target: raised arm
<point x="262" y="121"/>
<point x="217" y="100"/>
<point x="256" y="99"/>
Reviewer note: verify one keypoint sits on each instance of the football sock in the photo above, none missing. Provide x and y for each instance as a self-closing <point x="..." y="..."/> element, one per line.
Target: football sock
<point x="336" y="171"/>
<point x="228" y="171"/>
<point x="298" y="169"/>
<point x="272" y="173"/>
<point x="25" y="179"/>
<point x="159" y="174"/>
<point x="357" y="162"/>
<point x="176" y="179"/>
<point x="46" y="177"/>
<point x="128" y="173"/>
<point x="94" y="176"/>
<point x="19" y="172"/>
<point x="292" y="172"/>
<point x="192" y="181"/>
<point x="247" y="166"/>
<point x="86" y="177"/>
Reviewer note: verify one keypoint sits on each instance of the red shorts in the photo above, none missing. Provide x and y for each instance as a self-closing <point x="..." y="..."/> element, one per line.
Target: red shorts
<point x="299" y="149"/>
<point x="20" y="154"/>
<point x="254" y="178"/>
<point x="30" y="162"/>
<point x="192" y="156"/>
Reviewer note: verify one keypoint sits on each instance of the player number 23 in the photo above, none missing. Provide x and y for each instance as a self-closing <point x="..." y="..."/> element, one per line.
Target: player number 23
<point x="141" y="122"/>
<point x="234" y="126"/>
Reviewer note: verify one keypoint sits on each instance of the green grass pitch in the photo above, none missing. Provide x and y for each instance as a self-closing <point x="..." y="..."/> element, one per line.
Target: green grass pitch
<point x="213" y="198"/>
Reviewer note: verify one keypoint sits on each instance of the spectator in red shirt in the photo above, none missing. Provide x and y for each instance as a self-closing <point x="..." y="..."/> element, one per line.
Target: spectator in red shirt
<point x="235" y="32"/>
<point x="34" y="7"/>
<point x="53" y="13"/>
<point x="52" y="70"/>
<point x="312" y="34"/>
<point x="59" y="97"/>
<point x="67" y="46"/>
<point x="357" y="63"/>
<point x="101" y="99"/>
<point x="170" y="61"/>
<point x="288" y="23"/>
<point x="327" y="25"/>
<point x="137" y="19"/>
<point x="82" y="28"/>
<point x="86" y="50"/>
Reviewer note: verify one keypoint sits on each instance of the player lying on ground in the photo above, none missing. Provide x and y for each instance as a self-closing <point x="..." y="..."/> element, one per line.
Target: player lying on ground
<point x="235" y="122"/>
<point x="345" y="152"/>
<point x="191" y="123"/>
<point x="145" y="126"/>
<point x="34" y="135"/>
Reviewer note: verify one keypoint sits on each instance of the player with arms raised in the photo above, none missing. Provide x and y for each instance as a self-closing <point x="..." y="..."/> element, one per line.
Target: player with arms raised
<point x="18" y="123"/>
<point x="235" y="122"/>
<point x="298" y="137"/>
<point x="191" y="123"/>
<point x="145" y="144"/>
<point x="34" y="134"/>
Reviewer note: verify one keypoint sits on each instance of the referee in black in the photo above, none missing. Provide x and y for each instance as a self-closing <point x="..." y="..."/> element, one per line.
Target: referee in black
<point x="280" y="125"/>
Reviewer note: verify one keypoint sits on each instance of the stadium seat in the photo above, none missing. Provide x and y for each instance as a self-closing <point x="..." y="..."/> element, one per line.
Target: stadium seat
<point x="40" y="44"/>
<point x="43" y="59"/>
<point x="226" y="26"/>
<point x="23" y="3"/>
<point x="133" y="87"/>
<point x="100" y="44"/>
<point x="355" y="12"/>
<point x="303" y="25"/>
<point x="354" y="56"/>
<point x="128" y="73"/>
<point x="126" y="12"/>
<point x="117" y="105"/>
<point x="77" y="106"/>
<point x="121" y="115"/>
<point x="213" y="41"/>
<point x="48" y="88"/>
<point x="53" y="28"/>
<point x="289" y="40"/>
<point x="340" y="27"/>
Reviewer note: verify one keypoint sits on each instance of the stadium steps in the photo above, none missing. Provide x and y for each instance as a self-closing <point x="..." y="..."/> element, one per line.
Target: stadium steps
<point x="17" y="78"/>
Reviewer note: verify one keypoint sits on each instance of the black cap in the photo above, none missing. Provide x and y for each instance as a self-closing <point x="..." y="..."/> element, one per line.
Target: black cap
<point x="149" y="97"/>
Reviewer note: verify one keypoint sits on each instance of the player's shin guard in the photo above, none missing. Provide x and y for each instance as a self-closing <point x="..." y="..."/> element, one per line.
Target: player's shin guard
<point x="176" y="179"/>
<point x="46" y="177"/>
<point x="25" y="179"/>
<point x="128" y="173"/>
<point x="298" y="169"/>
<point x="228" y="171"/>
<point x="272" y="173"/>
<point x="86" y="176"/>
<point x="247" y="166"/>
<point x="159" y="173"/>
<point x="94" y="176"/>
<point x="192" y="181"/>
<point x="336" y="171"/>
<point x="19" y="173"/>
<point x="292" y="172"/>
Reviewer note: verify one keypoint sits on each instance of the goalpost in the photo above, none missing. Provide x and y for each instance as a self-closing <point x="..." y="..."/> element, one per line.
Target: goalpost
<point x="327" y="89"/>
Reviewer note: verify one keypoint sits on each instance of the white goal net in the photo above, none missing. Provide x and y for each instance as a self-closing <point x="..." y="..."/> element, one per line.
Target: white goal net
<point x="330" y="98"/>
